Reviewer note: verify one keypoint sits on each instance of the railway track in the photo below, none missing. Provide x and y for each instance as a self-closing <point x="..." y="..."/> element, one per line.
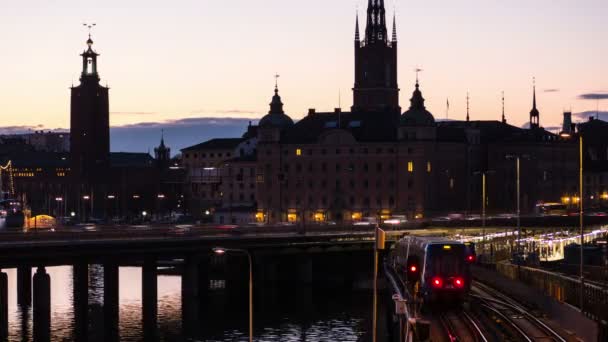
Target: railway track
<point x="524" y="325"/>
<point x="461" y="327"/>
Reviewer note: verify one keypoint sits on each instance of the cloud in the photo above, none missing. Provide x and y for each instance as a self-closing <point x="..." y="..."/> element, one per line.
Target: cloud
<point x="551" y="90"/>
<point x="133" y="113"/>
<point x="9" y="130"/>
<point x="201" y="121"/>
<point x="594" y="96"/>
<point x="214" y="112"/>
<point x="584" y="116"/>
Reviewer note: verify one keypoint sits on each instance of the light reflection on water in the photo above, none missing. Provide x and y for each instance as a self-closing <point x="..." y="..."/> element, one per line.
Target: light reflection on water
<point x="303" y="315"/>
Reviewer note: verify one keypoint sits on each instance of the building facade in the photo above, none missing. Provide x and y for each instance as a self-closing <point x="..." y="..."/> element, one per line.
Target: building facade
<point x="376" y="161"/>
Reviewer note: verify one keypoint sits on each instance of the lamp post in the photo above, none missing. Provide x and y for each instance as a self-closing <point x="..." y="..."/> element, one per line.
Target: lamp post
<point x="222" y="251"/>
<point x="517" y="159"/>
<point x="484" y="176"/>
<point x="582" y="291"/>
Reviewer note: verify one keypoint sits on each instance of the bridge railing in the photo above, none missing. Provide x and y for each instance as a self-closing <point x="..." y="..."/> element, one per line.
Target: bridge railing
<point x="563" y="288"/>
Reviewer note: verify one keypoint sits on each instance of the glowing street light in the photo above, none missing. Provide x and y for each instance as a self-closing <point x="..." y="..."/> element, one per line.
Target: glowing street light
<point x="222" y="251"/>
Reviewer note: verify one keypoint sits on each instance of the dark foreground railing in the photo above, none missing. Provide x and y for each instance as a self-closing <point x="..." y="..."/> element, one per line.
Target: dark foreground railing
<point x="565" y="289"/>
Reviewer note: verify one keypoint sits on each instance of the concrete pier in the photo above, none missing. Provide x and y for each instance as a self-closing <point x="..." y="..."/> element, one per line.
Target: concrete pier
<point x="110" y="301"/>
<point x="24" y="285"/>
<point x="190" y="296"/>
<point x="149" y="299"/>
<point x="42" y="305"/>
<point x="80" y="278"/>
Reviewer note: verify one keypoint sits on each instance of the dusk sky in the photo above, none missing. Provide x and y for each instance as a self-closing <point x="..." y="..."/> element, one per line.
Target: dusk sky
<point x="171" y="60"/>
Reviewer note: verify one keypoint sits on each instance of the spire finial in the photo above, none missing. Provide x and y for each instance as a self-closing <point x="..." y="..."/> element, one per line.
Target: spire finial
<point x="534" y="92"/>
<point x="468" y="107"/>
<point x="504" y="118"/>
<point x="276" y="82"/>
<point x="418" y="70"/>
<point x="89" y="26"/>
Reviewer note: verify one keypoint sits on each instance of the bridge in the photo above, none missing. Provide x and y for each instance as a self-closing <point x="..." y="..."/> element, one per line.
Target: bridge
<point x="327" y="256"/>
<point x="294" y="254"/>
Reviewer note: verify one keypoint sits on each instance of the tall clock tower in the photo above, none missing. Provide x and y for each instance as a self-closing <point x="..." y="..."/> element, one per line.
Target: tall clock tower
<point x="89" y="122"/>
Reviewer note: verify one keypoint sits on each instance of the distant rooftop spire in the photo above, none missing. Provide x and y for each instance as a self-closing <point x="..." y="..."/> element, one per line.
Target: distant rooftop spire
<point x="276" y="106"/>
<point x="534" y="113"/>
<point x="468" y="98"/>
<point x="504" y="118"/>
<point x="394" y="27"/>
<point x="357" y="36"/>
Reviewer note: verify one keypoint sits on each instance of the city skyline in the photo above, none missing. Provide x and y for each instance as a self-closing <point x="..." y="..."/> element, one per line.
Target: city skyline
<point x="148" y="83"/>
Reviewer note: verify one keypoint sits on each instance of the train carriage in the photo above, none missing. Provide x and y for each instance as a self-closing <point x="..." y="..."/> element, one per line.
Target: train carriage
<point x="435" y="267"/>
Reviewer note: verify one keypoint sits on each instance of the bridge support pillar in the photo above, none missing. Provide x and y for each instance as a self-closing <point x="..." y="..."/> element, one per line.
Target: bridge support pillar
<point x="203" y="283"/>
<point x="3" y="306"/>
<point x="110" y="301"/>
<point x="42" y="305"/>
<point x="80" y="279"/>
<point x="149" y="291"/>
<point x="24" y="285"/>
<point x="190" y="296"/>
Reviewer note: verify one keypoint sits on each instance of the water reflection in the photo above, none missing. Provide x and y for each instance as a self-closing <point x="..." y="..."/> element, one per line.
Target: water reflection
<point x="288" y="314"/>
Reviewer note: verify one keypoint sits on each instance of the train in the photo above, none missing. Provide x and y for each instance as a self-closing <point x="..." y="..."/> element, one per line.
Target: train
<point x="435" y="269"/>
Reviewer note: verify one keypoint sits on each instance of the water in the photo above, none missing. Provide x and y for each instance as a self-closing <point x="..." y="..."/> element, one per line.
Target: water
<point x="288" y="314"/>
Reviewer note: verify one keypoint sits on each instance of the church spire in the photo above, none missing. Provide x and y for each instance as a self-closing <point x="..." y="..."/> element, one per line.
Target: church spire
<point x="357" y="36"/>
<point x="504" y="118"/>
<point x="394" y="40"/>
<point x="468" y="107"/>
<point x="376" y="22"/>
<point x="534" y="113"/>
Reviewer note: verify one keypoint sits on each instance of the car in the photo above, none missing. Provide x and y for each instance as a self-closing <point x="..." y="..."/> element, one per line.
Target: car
<point x="179" y="230"/>
<point x="227" y="226"/>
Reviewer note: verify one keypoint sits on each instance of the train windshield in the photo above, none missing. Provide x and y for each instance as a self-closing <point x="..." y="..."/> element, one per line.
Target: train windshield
<point x="447" y="260"/>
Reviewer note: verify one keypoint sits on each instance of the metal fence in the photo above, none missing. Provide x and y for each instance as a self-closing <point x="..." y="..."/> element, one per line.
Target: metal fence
<point x="563" y="288"/>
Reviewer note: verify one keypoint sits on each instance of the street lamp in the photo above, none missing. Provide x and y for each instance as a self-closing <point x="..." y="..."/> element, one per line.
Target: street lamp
<point x="582" y="291"/>
<point x="517" y="158"/>
<point x="223" y="251"/>
<point x="484" y="199"/>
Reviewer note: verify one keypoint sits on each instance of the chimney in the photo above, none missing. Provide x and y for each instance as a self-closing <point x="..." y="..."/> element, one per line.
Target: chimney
<point x="311" y="111"/>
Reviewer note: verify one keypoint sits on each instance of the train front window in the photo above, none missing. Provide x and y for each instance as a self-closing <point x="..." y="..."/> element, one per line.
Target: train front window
<point x="447" y="262"/>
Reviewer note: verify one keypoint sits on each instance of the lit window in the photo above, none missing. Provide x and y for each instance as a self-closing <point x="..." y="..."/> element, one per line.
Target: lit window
<point x="429" y="167"/>
<point x="451" y="183"/>
<point x="410" y="166"/>
<point x="298" y="152"/>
